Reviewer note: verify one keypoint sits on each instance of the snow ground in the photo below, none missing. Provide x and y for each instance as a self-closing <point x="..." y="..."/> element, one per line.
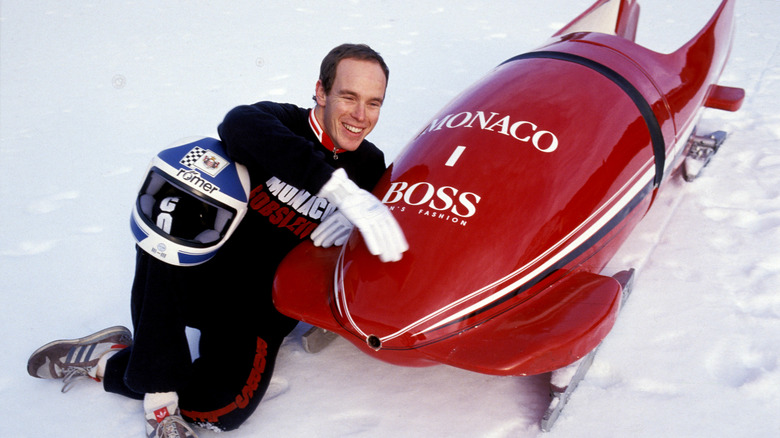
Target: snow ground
<point x="89" y="91"/>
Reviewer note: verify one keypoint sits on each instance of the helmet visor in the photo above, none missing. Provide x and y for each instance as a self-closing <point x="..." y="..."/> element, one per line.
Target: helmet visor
<point x="181" y="214"/>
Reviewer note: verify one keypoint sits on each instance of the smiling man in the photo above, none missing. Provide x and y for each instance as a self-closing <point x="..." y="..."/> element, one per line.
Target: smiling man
<point x="348" y="107"/>
<point x="311" y="172"/>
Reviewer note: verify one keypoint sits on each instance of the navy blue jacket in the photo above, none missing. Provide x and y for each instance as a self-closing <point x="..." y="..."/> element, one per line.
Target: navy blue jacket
<point x="288" y="165"/>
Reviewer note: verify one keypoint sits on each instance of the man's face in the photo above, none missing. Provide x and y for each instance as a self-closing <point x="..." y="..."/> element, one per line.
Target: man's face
<point x="351" y="109"/>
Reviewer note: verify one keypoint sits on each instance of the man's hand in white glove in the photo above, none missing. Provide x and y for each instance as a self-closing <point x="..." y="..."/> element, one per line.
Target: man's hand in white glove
<point x="334" y="230"/>
<point x="381" y="232"/>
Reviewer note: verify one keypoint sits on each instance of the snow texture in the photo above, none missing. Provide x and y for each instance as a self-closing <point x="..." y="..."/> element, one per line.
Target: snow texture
<point x="90" y="91"/>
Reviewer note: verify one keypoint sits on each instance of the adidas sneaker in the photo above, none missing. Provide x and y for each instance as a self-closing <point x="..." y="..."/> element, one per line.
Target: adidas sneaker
<point x="167" y="422"/>
<point x="70" y="359"/>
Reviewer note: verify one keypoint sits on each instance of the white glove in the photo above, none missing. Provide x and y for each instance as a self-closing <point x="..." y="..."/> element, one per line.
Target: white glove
<point x="334" y="230"/>
<point x="381" y="232"/>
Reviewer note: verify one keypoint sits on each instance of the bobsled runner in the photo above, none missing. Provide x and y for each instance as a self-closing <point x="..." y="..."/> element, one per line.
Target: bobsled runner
<point x="514" y="198"/>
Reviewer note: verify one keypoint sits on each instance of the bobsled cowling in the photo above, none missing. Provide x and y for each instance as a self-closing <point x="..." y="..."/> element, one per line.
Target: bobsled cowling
<point x="513" y="199"/>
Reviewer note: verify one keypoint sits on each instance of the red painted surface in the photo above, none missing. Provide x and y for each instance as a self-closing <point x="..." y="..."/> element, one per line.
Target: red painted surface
<point x="513" y="198"/>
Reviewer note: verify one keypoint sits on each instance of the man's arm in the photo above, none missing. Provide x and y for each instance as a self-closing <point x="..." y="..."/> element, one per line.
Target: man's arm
<point x="259" y="136"/>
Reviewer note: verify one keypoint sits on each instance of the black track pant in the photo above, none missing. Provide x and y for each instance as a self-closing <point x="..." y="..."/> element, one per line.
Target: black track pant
<point x="240" y="337"/>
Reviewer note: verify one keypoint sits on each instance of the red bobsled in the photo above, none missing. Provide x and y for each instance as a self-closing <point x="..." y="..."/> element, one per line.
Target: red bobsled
<point x="514" y="198"/>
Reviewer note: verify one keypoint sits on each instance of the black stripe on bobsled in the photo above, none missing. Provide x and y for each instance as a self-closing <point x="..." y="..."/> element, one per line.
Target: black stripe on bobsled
<point x="656" y="136"/>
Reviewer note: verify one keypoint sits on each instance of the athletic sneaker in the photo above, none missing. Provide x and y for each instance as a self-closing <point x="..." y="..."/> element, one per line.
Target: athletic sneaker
<point x="165" y="423"/>
<point x="70" y="359"/>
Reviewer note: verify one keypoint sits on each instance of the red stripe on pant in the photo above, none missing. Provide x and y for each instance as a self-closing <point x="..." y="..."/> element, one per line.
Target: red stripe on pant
<point x="242" y="399"/>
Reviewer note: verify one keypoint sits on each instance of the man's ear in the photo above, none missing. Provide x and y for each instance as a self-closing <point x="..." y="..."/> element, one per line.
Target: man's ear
<point x="320" y="94"/>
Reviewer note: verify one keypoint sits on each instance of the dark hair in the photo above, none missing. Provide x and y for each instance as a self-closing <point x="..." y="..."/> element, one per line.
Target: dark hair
<point x="348" y="51"/>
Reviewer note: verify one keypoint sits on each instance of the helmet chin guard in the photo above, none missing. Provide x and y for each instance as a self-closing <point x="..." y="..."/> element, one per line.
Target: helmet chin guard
<point x="191" y="200"/>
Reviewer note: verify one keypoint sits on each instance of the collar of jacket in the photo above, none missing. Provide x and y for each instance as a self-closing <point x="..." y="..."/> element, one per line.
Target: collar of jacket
<point x="322" y="136"/>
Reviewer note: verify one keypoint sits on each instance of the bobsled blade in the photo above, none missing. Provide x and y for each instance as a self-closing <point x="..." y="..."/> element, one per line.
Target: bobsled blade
<point x="700" y="152"/>
<point x="560" y="395"/>
<point x="564" y="381"/>
<point x="316" y="339"/>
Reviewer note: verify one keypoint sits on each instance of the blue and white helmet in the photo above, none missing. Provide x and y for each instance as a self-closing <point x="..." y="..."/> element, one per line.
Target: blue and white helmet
<point x="190" y="202"/>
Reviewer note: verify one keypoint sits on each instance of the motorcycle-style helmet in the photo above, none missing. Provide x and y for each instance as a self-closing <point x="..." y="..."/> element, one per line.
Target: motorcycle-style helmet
<point x="190" y="202"/>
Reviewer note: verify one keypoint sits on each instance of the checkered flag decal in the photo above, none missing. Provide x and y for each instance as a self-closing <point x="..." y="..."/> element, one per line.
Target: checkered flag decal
<point x="193" y="156"/>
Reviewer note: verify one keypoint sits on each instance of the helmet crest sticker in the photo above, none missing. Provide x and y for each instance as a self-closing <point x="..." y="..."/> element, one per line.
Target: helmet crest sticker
<point x="205" y="160"/>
